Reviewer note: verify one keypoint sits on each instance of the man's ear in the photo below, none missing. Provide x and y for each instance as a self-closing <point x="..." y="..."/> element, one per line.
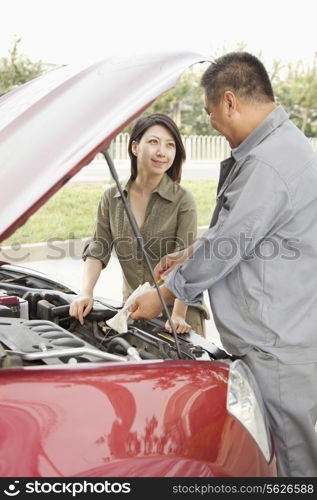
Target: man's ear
<point x="230" y="101"/>
<point x="134" y="148"/>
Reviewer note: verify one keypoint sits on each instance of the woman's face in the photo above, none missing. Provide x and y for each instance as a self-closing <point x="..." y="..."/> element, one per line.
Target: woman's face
<point x="156" y="151"/>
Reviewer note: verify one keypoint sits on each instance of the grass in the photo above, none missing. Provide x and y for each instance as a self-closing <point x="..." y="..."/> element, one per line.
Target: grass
<point x="71" y="213"/>
<point x="205" y="193"/>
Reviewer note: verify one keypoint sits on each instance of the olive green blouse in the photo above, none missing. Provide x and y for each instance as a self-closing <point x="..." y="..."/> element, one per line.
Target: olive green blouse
<point x="170" y="224"/>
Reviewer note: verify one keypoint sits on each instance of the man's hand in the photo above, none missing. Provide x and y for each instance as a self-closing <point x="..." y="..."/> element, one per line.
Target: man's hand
<point x="147" y="305"/>
<point x="81" y="307"/>
<point x="167" y="264"/>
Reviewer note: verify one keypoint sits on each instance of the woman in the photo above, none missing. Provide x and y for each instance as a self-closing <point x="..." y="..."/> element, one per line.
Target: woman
<point x="164" y="211"/>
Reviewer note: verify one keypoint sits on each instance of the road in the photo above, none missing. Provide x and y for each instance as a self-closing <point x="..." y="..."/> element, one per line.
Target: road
<point x="98" y="171"/>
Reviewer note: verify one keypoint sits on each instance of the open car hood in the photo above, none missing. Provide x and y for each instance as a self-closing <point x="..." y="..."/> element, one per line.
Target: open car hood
<point x="55" y="124"/>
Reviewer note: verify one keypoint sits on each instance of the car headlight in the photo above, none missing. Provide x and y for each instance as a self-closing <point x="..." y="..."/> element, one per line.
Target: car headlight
<point x="244" y="402"/>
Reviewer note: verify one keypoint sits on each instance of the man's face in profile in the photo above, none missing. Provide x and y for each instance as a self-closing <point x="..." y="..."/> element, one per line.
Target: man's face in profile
<point x="216" y="114"/>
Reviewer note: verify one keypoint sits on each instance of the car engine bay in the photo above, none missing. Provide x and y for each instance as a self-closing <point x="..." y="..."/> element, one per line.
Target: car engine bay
<point x="36" y="329"/>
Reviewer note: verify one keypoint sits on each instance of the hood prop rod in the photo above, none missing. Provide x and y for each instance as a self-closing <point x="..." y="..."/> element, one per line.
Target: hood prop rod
<point x="139" y="239"/>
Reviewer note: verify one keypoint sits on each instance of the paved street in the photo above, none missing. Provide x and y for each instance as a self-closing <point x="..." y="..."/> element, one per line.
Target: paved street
<point x="98" y="171"/>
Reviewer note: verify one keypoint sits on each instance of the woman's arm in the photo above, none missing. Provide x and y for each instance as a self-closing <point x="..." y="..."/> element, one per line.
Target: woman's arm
<point x="91" y="273"/>
<point x="83" y="304"/>
<point x="96" y="255"/>
<point x="178" y="317"/>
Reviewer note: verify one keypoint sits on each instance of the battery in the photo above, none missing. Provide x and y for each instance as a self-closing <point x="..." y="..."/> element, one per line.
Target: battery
<point x="19" y="307"/>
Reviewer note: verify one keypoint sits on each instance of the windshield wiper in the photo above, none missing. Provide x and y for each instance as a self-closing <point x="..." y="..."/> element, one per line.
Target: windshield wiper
<point x="139" y="239"/>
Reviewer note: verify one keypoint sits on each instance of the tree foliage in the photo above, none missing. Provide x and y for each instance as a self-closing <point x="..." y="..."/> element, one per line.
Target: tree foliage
<point x="294" y="84"/>
<point x="17" y="68"/>
<point x="185" y="104"/>
<point x="295" y="87"/>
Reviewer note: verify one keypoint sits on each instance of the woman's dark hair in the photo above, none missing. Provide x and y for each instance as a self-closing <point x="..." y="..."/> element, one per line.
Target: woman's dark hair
<point x="141" y="126"/>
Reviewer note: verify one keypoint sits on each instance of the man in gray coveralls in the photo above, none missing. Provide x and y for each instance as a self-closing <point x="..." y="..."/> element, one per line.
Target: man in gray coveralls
<point x="258" y="259"/>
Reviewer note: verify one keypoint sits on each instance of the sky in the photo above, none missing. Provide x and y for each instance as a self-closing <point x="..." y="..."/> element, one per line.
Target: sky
<point x="67" y="31"/>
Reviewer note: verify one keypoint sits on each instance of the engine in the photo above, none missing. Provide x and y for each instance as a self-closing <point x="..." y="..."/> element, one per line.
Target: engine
<point x="35" y="328"/>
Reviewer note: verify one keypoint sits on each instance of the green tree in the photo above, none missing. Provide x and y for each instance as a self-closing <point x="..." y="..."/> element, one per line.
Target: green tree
<point x="17" y="68"/>
<point x="295" y="87"/>
<point x="185" y="104"/>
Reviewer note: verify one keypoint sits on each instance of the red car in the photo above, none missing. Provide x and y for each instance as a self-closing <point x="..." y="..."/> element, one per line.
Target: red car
<point x="84" y="400"/>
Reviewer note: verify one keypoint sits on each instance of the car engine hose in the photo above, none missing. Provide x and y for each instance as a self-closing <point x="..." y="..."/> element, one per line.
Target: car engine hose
<point x="119" y="345"/>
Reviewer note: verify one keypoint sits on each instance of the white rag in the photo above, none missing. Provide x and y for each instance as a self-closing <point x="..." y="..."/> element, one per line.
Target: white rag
<point x="119" y="322"/>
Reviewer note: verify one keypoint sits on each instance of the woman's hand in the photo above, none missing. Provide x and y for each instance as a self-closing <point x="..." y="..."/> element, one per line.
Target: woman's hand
<point x="179" y="323"/>
<point x="81" y="307"/>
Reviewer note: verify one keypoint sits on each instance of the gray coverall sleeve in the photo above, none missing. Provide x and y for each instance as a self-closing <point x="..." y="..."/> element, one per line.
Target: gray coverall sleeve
<point x="251" y="212"/>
